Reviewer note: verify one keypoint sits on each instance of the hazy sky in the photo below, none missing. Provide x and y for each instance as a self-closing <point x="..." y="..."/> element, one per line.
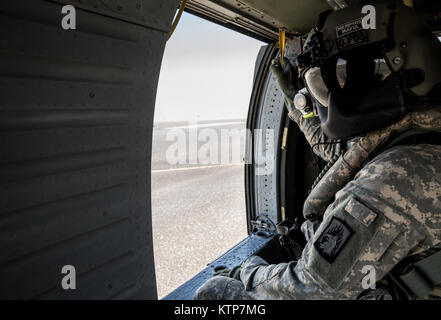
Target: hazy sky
<point x="206" y="73"/>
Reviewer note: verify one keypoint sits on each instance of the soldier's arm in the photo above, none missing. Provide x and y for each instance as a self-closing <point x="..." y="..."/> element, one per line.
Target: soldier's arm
<point x="323" y="146"/>
<point x="350" y="237"/>
<point x="367" y="225"/>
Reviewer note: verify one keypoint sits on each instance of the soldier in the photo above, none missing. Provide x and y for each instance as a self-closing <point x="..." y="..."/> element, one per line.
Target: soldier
<point x="378" y="206"/>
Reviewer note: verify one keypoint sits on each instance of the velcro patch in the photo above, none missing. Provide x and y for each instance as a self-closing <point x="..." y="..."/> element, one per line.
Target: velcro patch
<point x="333" y="239"/>
<point x="360" y="212"/>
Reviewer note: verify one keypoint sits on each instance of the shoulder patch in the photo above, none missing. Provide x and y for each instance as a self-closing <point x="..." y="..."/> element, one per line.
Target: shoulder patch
<point x="333" y="239"/>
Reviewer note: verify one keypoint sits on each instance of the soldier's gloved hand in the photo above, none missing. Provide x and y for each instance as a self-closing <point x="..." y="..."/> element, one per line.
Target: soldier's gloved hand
<point x="231" y="273"/>
<point x="284" y="75"/>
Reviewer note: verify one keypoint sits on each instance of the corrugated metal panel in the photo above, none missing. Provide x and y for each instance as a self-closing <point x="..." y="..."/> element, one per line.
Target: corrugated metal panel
<point x="76" y="115"/>
<point x="153" y="14"/>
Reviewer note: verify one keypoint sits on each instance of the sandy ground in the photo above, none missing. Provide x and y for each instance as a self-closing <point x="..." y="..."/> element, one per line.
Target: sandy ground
<point x="198" y="209"/>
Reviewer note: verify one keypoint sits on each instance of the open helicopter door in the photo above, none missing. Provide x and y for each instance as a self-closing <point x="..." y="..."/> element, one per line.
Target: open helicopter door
<point x="265" y="111"/>
<point x="77" y="95"/>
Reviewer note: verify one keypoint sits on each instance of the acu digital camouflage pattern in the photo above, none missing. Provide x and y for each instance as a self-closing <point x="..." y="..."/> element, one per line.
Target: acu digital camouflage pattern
<point x="351" y="161"/>
<point x="391" y="204"/>
<point x="222" y="288"/>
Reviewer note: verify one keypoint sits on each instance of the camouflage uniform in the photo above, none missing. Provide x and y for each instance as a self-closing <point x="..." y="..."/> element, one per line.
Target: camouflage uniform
<point x="369" y="212"/>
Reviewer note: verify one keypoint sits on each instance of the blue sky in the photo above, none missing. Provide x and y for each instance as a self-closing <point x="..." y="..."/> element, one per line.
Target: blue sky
<point x="206" y="73"/>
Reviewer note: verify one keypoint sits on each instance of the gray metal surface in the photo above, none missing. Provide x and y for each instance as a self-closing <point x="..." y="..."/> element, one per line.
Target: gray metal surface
<point x="236" y="15"/>
<point x="270" y="116"/>
<point x="152" y="14"/>
<point x="262" y="18"/>
<point x="297" y="16"/>
<point x="271" y="108"/>
<point x="233" y="257"/>
<point x="76" y="115"/>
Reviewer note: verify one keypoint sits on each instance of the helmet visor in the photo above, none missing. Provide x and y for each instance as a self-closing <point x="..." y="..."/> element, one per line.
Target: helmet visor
<point x="316" y="86"/>
<point x="318" y="89"/>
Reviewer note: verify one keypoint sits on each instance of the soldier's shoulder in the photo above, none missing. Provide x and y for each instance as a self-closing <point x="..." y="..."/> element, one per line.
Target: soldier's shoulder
<point x="407" y="177"/>
<point x="404" y="184"/>
<point x="404" y="163"/>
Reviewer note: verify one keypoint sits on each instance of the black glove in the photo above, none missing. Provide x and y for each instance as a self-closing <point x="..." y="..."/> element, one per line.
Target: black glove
<point x="284" y="75"/>
<point x="231" y="273"/>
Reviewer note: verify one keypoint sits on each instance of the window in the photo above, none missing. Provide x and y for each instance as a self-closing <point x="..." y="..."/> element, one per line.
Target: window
<point x="198" y="200"/>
